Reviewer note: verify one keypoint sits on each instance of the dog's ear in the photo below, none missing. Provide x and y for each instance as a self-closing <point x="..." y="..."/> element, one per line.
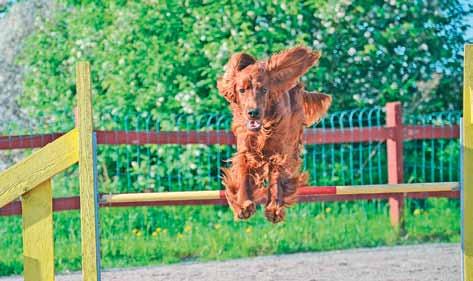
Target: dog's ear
<point x="285" y="68"/>
<point x="226" y="84"/>
<point x="315" y="107"/>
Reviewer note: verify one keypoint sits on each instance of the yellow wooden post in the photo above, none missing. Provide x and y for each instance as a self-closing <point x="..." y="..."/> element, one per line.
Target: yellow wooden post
<point x="38" y="244"/>
<point x="87" y="177"/>
<point x="467" y="146"/>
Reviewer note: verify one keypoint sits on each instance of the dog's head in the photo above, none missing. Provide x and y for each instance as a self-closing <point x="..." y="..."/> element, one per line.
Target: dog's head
<point x="254" y="85"/>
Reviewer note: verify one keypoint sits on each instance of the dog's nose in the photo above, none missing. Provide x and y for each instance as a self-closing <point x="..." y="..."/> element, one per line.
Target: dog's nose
<point x="253" y="113"/>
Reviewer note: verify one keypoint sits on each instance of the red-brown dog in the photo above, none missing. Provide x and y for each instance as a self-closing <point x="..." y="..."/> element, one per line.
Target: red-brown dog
<point x="270" y="109"/>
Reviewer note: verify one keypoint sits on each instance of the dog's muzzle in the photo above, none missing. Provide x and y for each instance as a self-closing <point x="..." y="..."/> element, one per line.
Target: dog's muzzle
<point x="253" y="125"/>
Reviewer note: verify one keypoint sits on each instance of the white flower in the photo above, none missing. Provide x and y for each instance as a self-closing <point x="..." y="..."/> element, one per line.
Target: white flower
<point x="424" y="47"/>
<point x="340" y="14"/>
<point x="400" y="50"/>
<point x="351" y="51"/>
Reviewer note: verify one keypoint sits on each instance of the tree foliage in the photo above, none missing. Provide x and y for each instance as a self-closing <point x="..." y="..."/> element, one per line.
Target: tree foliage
<point x="160" y="58"/>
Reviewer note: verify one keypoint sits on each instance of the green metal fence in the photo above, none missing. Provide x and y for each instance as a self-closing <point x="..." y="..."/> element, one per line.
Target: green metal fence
<point x="433" y="160"/>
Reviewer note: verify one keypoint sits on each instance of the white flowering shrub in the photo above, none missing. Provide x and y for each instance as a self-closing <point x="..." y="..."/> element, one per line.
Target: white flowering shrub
<point x="159" y="58"/>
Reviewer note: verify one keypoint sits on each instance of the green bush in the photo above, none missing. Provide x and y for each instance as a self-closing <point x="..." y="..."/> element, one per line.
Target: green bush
<point x="162" y="57"/>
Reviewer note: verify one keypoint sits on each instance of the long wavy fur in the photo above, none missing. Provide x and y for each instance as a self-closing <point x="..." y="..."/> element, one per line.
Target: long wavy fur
<point x="267" y="163"/>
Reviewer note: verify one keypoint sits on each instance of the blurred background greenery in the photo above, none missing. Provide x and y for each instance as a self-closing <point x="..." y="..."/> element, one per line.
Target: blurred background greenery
<point x="161" y="57"/>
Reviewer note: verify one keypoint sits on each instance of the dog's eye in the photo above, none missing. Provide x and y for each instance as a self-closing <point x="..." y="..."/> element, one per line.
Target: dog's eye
<point x="263" y="90"/>
<point x="241" y="90"/>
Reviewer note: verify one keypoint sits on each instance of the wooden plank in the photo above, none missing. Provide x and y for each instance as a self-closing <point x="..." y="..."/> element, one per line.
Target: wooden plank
<point x="87" y="177"/>
<point x="219" y="194"/>
<point x="27" y="141"/>
<point x="378" y="196"/>
<point x="177" y="137"/>
<point x="59" y="204"/>
<point x="311" y="136"/>
<point x="431" y="132"/>
<point x="467" y="149"/>
<point x="398" y="188"/>
<point x="352" y="135"/>
<point x="38" y="167"/>
<point x="38" y="246"/>
<point x="162" y="196"/>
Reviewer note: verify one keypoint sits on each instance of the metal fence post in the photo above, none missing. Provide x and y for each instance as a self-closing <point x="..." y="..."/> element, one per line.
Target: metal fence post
<point x="395" y="161"/>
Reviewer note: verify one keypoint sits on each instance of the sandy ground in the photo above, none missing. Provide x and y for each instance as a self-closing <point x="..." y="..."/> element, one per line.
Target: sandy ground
<point x="404" y="263"/>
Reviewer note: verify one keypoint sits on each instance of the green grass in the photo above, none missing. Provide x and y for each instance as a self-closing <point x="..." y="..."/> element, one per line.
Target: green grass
<point x="152" y="235"/>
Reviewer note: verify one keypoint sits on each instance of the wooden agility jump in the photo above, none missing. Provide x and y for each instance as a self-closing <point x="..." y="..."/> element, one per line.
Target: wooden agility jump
<point x="384" y="189"/>
<point x="30" y="179"/>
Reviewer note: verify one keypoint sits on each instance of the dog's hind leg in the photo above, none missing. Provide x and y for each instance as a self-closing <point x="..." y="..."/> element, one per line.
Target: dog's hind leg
<point x="231" y="189"/>
<point x="238" y="184"/>
<point x="248" y="207"/>
<point x="274" y="210"/>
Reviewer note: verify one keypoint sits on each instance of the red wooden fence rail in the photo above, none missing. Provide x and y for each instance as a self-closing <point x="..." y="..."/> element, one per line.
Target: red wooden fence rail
<point x="311" y="136"/>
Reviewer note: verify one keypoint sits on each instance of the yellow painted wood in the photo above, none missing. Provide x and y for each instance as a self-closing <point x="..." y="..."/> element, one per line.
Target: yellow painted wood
<point x="161" y="196"/>
<point x="38" y="167"/>
<point x="397" y="188"/>
<point x="38" y="243"/>
<point x="467" y="189"/>
<point x="88" y="192"/>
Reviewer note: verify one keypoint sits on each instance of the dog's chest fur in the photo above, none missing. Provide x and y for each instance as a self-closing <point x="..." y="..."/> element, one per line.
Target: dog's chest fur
<point x="281" y="133"/>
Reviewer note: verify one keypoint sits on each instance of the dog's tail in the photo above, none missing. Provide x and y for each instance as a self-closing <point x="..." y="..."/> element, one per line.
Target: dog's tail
<point x="315" y="106"/>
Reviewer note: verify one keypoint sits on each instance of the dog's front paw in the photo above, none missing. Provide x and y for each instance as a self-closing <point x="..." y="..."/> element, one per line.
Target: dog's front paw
<point x="246" y="210"/>
<point x="274" y="213"/>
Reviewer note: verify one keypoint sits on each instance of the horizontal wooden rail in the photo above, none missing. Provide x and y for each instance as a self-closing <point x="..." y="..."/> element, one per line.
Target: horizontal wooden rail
<point x="431" y="132"/>
<point x="39" y="167"/>
<point x="398" y="188"/>
<point x="311" y="136"/>
<point x="217" y="197"/>
<point x="27" y="141"/>
<point x="304" y="191"/>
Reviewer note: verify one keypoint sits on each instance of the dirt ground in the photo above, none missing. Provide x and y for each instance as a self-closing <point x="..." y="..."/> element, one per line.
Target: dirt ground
<point x="433" y="262"/>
